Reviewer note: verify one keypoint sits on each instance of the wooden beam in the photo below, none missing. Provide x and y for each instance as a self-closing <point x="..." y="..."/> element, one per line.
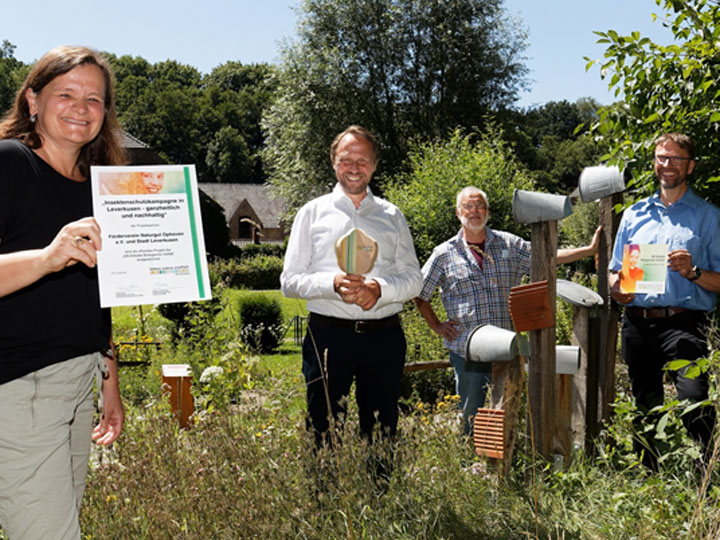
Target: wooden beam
<point x="426" y="366"/>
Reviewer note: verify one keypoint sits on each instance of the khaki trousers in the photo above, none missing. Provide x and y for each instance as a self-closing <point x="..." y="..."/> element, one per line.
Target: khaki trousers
<point x="45" y="426"/>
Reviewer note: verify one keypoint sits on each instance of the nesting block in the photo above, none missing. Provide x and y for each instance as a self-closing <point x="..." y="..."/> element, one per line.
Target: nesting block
<point x="176" y="383"/>
<point x="489" y="433"/>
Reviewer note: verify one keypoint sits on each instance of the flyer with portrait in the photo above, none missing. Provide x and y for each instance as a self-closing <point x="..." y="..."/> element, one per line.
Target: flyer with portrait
<point x="153" y="249"/>
<point x="644" y="268"/>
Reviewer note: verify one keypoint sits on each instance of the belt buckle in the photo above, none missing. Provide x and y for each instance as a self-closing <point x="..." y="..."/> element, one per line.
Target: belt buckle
<point x="358" y="327"/>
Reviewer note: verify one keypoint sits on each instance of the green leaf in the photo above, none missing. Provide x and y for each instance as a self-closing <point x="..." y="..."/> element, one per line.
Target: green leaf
<point x="677" y="365"/>
<point x="661" y="426"/>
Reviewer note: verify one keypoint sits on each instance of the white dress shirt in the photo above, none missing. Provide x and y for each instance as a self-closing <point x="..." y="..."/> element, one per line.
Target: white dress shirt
<point x="311" y="265"/>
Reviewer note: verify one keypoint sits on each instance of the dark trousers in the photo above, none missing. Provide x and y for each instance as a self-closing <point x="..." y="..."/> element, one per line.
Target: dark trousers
<point x="374" y="360"/>
<point x="647" y="345"/>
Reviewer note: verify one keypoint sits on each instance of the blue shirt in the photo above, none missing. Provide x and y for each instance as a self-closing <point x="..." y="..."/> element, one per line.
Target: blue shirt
<point x="692" y="224"/>
<point x="472" y="295"/>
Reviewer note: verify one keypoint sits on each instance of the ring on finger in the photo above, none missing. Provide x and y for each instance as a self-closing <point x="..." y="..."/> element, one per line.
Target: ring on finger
<point x="79" y="241"/>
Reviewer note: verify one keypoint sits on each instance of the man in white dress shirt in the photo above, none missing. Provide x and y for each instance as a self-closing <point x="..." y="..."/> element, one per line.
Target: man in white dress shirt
<point x="354" y="331"/>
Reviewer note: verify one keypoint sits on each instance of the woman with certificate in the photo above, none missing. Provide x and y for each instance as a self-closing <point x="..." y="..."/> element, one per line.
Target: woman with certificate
<point x="54" y="337"/>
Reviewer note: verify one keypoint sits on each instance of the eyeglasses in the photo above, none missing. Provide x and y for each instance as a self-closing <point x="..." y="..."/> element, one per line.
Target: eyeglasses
<point x="674" y="160"/>
<point x="476" y="206"/>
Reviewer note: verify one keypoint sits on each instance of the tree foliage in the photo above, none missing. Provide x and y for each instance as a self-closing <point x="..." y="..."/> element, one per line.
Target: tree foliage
<point x="12" y="73"/>
<point x="561" y="119"/>
<point x="665" y="88"/>
<point x="212" y="121"/>
<point x="439" y="170"/>
<point x="561" y="161"/>
<point x="402" y="68"/>
<point x="228" y="157"/>
<point x="552" y="141"/>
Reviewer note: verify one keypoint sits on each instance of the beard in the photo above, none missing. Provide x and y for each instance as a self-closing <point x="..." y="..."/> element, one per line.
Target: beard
<point x="475" y="225"/>
<point x="677" y="177"/>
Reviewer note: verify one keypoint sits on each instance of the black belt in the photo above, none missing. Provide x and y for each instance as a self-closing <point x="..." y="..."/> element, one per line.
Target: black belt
<point x="654" y="313"/>
<point x="359" y="326"/>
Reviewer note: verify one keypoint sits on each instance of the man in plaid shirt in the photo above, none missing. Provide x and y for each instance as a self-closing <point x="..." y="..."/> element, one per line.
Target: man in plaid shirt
<point x="475" y="271"/>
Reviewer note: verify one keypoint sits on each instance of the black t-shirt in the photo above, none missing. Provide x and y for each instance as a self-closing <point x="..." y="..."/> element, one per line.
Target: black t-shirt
<point x="59" y="316"/>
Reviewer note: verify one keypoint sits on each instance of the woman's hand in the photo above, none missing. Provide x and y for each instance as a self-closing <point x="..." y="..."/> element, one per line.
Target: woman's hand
<point x="113" y="415"/>
<point x="111" y="422"/>
<point x="76" y="242"/>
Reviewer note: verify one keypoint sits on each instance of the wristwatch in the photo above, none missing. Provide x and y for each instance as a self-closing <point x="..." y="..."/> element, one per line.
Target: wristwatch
<point x="696" y="273"/>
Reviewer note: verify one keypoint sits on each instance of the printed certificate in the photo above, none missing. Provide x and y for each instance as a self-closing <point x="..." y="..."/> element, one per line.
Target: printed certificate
<point x="644" y="268"/>
<point x="153" y="250"/>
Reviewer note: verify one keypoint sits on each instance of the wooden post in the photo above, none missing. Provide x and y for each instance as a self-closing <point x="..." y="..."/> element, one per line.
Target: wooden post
<point x="582" y="381"/>
<point x="506" y="393"/>
<point x="586" y="335"/>
<point x="611" y="312"/>
<point x="562" y="443"/>
<point x="176" y="382"/>
<point x="541" y="380"/>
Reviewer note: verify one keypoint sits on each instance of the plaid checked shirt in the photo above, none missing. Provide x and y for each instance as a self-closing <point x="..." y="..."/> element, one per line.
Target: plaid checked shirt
<point x="473" y="296"/>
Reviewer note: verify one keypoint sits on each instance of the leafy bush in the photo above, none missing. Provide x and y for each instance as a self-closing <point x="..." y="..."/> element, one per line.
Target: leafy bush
<point x="261" y="322"/>
<point x="226" y="377"/>
<point x="685" y="102"/>
<point x="439" y="169"/>
<point x="261" y="272"/>
<point x="577" y="230"/>
<point x="248" y="251"/>
<point x="427" y="386"/>
<point x="185" y="316"/>
<point x="425" y="346"/>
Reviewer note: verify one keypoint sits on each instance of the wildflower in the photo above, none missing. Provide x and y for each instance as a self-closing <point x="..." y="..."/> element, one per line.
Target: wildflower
<point x="210" y="373"/>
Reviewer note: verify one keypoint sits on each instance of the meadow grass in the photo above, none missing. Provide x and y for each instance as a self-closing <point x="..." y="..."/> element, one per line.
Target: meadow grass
<point x="250" y="472"/>
<point x="247" y="469"/>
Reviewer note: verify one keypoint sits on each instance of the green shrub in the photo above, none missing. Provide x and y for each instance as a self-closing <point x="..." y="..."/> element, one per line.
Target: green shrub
<point x="439" y="169"/>
<point x="186" y="316"/>
<point x="261" y="272"/>
<point x="577" y="230"/>
<point x="261" y="322"/>
<point x="226" y="377"/>
<point x="425" y="346"/>
<point x="248" y="251"/>
<point x="428" y="386"/>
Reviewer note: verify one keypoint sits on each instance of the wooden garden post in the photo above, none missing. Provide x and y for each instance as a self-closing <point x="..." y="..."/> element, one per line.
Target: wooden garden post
<point x="506" y="394"/>
<point x="541" y="374"/>
<point x="586" y="335"/>
<point x="608" y="325"/>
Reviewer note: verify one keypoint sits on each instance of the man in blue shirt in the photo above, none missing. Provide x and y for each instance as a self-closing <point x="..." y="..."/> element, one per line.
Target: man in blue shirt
<point x="659" y="327"/>
<point x="475" y="271"/>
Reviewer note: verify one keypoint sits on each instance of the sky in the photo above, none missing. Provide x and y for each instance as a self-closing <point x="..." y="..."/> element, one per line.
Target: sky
<point x="208" y="33"/>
